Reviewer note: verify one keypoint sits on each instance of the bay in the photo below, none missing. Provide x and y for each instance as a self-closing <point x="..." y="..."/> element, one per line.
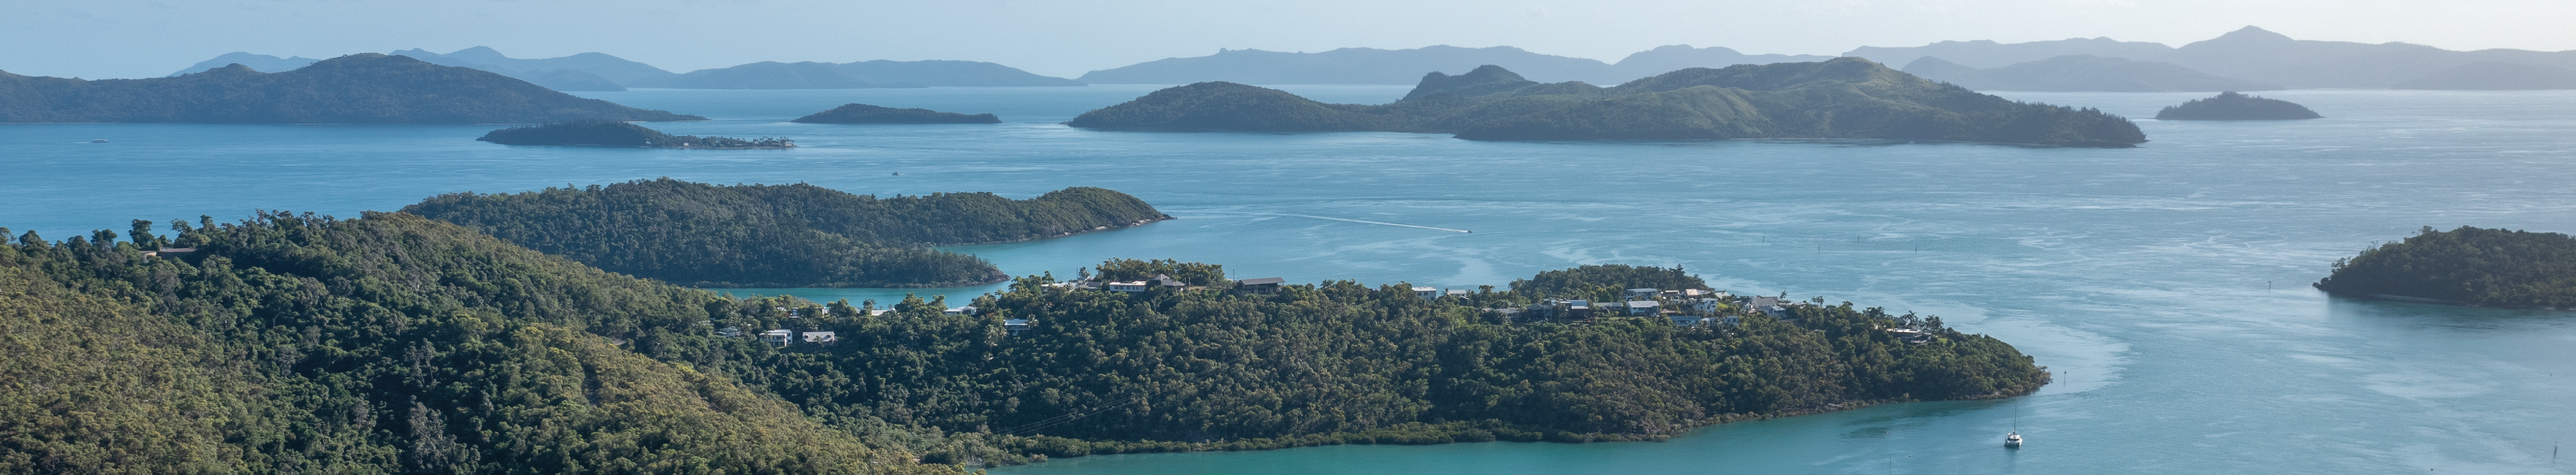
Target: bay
<point x="2164" y="285"/>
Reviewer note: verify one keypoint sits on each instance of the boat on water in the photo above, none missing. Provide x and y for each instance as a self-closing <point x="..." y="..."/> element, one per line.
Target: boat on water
<point x="97" y="140"/>
<point x="2013" y="440"/>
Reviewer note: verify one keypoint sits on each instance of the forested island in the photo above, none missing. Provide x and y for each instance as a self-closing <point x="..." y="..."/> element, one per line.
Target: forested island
<point x="2233" y="106"/>
<point x="395" y="343"/>
<point x="868" y="114"/>
<point x="798" y="235"/>
<point x="609" y="133"/>
<point x="2465" y="266"/>
<point x="1841" y="98"/>
<point x="355" y="89"/>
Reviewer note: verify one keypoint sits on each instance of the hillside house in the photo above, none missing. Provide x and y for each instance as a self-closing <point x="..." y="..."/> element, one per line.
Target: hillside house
<point x="1264" y="285"/>
<point x="1640" y="308"/>
<point x="1127" y="286"/>
<point x="780" y="337"/>
<point x="1018" y="325"/>
<point x="966" y="310"/>
<point x="1639" y="294"/>
<point x="822" y="338"/>
<point x="1426" y="292"/>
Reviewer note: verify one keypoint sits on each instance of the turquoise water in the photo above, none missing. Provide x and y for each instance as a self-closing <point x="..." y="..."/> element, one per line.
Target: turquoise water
<point x="2165" y="285"/>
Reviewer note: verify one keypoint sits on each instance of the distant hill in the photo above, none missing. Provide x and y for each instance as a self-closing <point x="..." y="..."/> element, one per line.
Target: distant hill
<point x="868" y="114"/>
<point x="1840" y="98"/>
<point x="356" y="89"/>
<point x="256" y="62"/>
<point x="2080" y="73"/>
<point x="580" y="72"/>
<point x="1989" y="54"/>
<point x="604" y="133"/>
<point x="2491" y="76"/>
<point x="1403" y="66"/>
<point x="2232" y="106"/>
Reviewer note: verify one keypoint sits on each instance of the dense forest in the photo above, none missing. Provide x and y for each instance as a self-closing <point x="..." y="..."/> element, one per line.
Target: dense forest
<point x="796" y="235"/>
<point x="609" y="133"/>
<point x="868" y="114"/>
<point x="2233" y="106"/>
<point x="397" y="344"/>
<point x="1840" y="98"/>
<point x="2470" y="266"/>
<point x="356" y="89"/>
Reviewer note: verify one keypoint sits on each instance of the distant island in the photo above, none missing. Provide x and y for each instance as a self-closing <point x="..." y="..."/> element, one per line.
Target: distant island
<point x="868" y="114"/>
<point x="605" y="133"/>
<point x="2233" y="106"/>
<point x="355" y="89"/>
<point x="2079" y="72"/>
<point x="1848" y="98"/>
<point x="2465" y="266"/>
<point x="1404" y="66"/>
<point x="798" y="235"/>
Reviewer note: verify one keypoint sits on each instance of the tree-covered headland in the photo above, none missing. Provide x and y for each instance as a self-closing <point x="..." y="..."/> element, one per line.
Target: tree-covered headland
<point x="1849" y="98"/>
<point x="2467" y="266"/>
<point x="609" y="133"/>
<point x="795" y="235"/>
<point x="398" y="344"/>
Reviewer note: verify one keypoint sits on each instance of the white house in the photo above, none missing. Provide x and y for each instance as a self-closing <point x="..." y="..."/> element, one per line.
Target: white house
<point x="778" y="337"/>
<point x="1425" y="292"/>
<point x="822" y="338"/>
<point x="1643" y="307"/>
<point x="1127" y="286"/>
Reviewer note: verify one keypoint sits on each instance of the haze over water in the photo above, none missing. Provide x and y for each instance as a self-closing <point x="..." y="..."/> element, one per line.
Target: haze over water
<point x="2165" y="285"/>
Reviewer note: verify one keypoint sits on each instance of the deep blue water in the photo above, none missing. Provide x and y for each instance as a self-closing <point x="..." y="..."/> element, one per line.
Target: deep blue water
<point x="2165" y="285"/>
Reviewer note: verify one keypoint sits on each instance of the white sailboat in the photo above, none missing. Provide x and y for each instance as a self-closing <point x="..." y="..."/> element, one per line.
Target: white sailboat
<point x="2012" y="440"/>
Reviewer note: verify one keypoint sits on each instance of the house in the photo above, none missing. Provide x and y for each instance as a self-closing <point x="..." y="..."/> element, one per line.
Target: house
<point x="1642" y="293"/>
<point x="1168" y="281"/>
<point x="729" y="332"/>
<point x="1705" y="305"/>
<point x="1459" y="293"/>
<point x="1127" y="286"/>
<point x="1425" y="292"/>
<point x="1642" y="307"/>
<point x="1759" y="302"/>
<point x="1691" y="321"/>
<point x="1539" y="310"/>
<point x="878" y="311"/>
<point x="1263" y="285"/>
<point x="167" y="251"/>
<point x="822" y="338"/>
<point x="1578" y="308"/>
<point x="966" y="310"/>
<point x="1508" y="314"/>
<point x="1017" y="325"/>
<point x="778" y="337"/>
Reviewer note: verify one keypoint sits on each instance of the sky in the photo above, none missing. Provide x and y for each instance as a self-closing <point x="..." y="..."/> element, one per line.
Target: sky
<point x="150" y="38"/>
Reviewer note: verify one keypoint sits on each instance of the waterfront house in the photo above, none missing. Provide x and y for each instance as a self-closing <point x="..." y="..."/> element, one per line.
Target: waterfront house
<point x="778" y="337"/>
<point x="1262" y="285"/>
<point x="822" y="338"/>
<point x="1643" y="307"/>
<point x="1127" y="286"/>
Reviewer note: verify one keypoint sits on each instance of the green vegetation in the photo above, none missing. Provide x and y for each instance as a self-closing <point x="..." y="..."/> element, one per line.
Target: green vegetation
<point x="868" y="114"/>
<point x="1840" y="98"/>
<point x="356" y="89"/>
<point x="2232" y="106"/>
<point x="609" y="133"/>
<point x="2468" y="266"/>
<point x="394" y="343"/>
<point x="796" y="235"/>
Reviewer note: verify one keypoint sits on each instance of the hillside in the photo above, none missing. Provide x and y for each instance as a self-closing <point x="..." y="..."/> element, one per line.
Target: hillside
<point x="1841" y="98"/>
<point x="256" y="62"/>
<point x="2466" y="266"/>
<point x="868" y="114"/>
<point x="780" y="236"/>
<point x="1403" y="66"/>
<point x="2233" y="106"/>
<point x="354" y="89"/>
<point x="601" y="133"/>
<point x="2252" y="54"/>
<point x="397" y="344"/>
<point x="2080" y="73"/>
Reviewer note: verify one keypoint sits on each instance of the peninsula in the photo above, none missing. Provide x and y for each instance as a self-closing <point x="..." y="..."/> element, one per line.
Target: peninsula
<point x="355" y="89"/>
<point x="868" y="114"/>
<point x="604" y="133"/>
<point x="2466" y="266"/>
<point x="799" y="235"/>
<point x="441" y="349"/>
<point x="1848" y="98"/>
<point x="2233" y="106"/>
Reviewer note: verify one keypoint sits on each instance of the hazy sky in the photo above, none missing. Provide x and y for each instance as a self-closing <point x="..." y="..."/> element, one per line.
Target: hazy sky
<point x="145" y="38"/>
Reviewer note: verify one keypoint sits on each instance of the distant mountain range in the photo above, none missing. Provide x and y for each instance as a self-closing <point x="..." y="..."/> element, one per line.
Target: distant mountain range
<point x="364" y="88"/>
<point x="602" y="72"/>
<point x="1404" y="66"/>
<point x="2260" y="56"/>
<point x="2080" y="72"/>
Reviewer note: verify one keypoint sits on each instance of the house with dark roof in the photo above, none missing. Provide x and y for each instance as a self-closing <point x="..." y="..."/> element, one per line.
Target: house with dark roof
<point x="1262" y="285"/>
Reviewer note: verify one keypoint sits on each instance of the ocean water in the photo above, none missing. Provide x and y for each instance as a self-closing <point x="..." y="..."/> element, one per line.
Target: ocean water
<point x="2164" y="285"/>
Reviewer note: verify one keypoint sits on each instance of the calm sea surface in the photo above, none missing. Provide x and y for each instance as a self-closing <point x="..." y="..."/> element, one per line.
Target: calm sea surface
<point x="2165" y="285"/>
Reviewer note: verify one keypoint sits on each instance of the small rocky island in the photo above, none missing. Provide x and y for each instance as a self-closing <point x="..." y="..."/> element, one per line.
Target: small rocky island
<point x="868" y="114"/>
<point x="2232" y="106"/>
<point x="602" y="133"/>
<point x="2466" y="266"/>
